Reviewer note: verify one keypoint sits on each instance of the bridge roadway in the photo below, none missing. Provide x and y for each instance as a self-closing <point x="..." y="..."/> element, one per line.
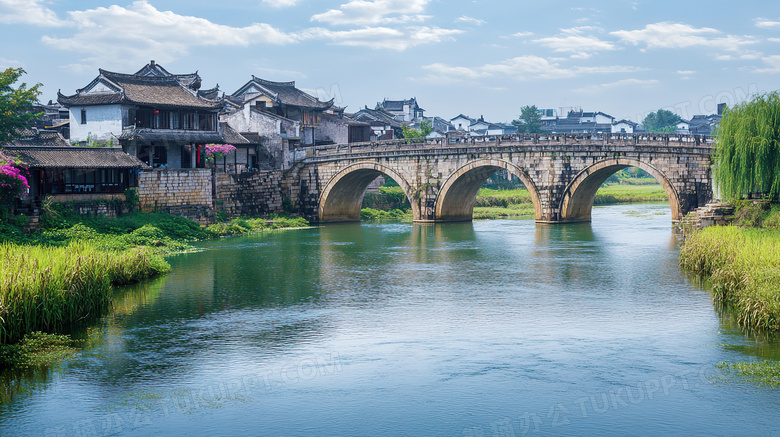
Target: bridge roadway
<point x="441" y="177"/>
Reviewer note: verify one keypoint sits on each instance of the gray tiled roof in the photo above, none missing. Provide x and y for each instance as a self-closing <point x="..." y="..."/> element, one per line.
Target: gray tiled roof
<point x="286" y="93"/>
<point x="176" y="136"/>
<point x="30" y="138"/>
<point x="158" y="91"/>
<point x="231" y="136"/>
<point x="343" y="120"/>
<point x="373" y="116"/>
<point x="398" y="105"/>
<point x="74" y="157"/>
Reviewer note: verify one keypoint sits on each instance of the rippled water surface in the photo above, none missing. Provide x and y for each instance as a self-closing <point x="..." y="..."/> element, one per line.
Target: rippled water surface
<point x="492" y="328"/>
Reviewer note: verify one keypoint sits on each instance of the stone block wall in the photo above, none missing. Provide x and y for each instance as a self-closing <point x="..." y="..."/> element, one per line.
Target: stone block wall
<point x="250" y="194"/>
<point x="183" y="192"/>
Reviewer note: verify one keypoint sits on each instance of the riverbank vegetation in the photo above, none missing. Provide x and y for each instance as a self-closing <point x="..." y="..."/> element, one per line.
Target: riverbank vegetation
<point x="46" y="288"/>
<point x="65" y="272"/>
<point x="742" y="261"/>
<point x="743" y="266"/>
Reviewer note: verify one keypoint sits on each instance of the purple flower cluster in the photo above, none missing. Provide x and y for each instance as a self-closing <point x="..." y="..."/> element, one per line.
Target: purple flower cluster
<point x="219" y="149"/>
<point x="12" y="181"/>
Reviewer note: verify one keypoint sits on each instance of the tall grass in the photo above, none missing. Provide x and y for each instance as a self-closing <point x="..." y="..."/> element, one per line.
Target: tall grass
<point x="744" y="268"/>
<point x="47" y="288"/>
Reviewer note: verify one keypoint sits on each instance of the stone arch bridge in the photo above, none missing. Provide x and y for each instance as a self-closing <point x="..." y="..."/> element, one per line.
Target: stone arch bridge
<point x="441" y="177"/>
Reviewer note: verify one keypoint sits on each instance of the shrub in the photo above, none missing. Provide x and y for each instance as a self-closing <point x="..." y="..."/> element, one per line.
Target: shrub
<point x="750" y="214"/>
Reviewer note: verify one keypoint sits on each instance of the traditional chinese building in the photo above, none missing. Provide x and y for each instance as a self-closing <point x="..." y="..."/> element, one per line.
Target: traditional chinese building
<point x="383" y="125"/>
<point x="163" y="119"/>
<point x="402" y="110"/>
<point x="66" y="173"/>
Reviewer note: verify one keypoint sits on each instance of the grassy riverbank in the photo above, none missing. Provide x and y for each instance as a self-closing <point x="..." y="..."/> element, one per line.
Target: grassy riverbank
<point x="44" y="288"/>
<point x="65" y="272"/>
<point x="743" y="265"/>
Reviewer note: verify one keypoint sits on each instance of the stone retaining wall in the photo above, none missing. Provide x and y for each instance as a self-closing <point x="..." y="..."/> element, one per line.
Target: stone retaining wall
<point x="185" y="192"/>
<point x="713" y="214"/>
<point x="250" y="194"/>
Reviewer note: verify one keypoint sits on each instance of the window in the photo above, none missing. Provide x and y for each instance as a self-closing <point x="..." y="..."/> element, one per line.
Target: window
<point x="175" y="120"/>
<point x="144" y="118"/>
<point x="189" y="121"/>
<point x="83" y="116"/>
<point x="206" y="121"/>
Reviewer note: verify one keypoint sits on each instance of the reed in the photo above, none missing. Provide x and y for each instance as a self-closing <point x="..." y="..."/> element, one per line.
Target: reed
<point x="744" y="268"/>
<point x="44" y="288"/>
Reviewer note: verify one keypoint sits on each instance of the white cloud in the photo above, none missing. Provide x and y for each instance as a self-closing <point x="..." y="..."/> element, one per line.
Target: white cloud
<point x="123" y="37"/>
<point x="388" y="38"/>
<point x="470" y="20"/>
<point x="366" y="13"/>
<point x="686" y="74"/>
<point x="763" y="22"/>
<point x="677" y="35"/>
<point x="281" y="3"/>
<point x="519" y="68"/>
<point x="9" y="63"/>
<point x="747" y="55"/>
<point x="522" y="34"/>
<point x="575" y="41"/>
<point x="773" y="62"/>
<point x="28" y="12"/>
<point x="600" y="88"/>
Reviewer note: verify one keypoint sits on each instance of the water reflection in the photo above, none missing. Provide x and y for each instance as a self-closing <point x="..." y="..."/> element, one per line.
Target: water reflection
<point x="440" y="327"/>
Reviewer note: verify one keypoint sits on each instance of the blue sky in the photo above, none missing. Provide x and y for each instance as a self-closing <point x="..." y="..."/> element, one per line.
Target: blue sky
<point x="489" y="58"/>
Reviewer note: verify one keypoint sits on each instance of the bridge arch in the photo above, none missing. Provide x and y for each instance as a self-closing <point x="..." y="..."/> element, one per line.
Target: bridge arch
<point x="578" y="197"/>
<point x="343" y="194"/>
<point x="455" y="201"/>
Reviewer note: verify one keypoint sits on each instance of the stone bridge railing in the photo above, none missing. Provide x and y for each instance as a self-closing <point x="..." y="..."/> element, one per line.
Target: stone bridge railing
<point x="514" y="140"/>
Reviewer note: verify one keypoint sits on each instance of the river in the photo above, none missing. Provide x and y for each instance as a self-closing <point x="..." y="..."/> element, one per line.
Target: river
<point x="491" y="328"/>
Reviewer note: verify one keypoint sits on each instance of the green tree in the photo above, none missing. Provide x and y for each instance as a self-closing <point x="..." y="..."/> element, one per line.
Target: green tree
<point x="662" y="121"/>
<point x="747" y="152"/>
<point x="16" y="111"/>
<point x="424" y="131"/>
<point x="530" y="121"/>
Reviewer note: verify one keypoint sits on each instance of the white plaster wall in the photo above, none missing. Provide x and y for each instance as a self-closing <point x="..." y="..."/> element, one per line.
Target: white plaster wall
<point x="332" y="130"/>
<point x="464" y="123"/>
<point x="617" y="128"/>
<point x="103" y="122"/>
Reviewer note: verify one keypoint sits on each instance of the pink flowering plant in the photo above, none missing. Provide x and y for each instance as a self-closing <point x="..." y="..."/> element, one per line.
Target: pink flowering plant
<point x="13" y="183"/>
<point x="214" y="151"/>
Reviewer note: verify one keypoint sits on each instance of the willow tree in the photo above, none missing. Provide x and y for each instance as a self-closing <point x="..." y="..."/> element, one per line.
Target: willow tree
<point x="747" y="157"/>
